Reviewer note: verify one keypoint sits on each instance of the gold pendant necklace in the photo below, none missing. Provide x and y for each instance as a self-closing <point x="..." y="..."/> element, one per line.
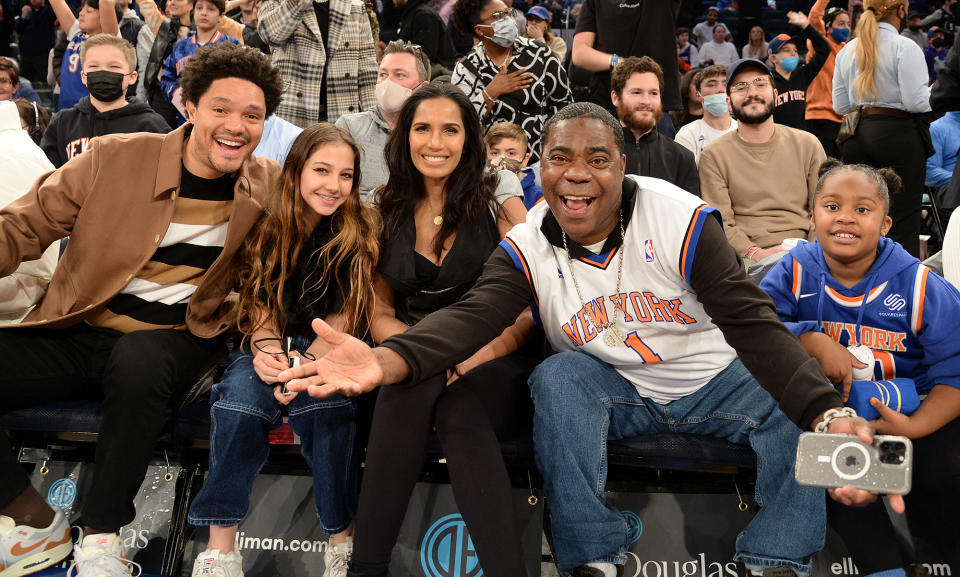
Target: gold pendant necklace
<point x="612" y="335"/>
<point x="438" y="220"/>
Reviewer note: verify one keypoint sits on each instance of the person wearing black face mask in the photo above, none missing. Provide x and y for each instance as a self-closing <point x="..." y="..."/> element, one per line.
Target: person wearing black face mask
<point x="914" y="30"/>
<point x="109" y="68"/>
<point x="936" y="53"/>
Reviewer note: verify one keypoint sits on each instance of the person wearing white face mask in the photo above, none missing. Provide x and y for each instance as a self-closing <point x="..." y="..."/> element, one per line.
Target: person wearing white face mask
<point x="403" y="69"/>
<point x="711" y="84"/>
<point x="508" y="78"/>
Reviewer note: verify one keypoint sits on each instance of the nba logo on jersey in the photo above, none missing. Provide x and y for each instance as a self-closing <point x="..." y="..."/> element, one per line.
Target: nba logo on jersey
<point x="648" y="250"/>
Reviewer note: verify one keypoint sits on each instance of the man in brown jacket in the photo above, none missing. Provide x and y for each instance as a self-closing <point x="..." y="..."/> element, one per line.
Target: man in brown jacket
<point x="136" y="305"/>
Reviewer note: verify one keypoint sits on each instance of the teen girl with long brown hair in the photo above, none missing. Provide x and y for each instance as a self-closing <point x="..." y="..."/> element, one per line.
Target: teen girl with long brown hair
<point x="312" y="255"/>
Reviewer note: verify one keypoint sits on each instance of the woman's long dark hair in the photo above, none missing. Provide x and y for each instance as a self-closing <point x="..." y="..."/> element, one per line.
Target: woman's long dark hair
<point x="469" y="189"/>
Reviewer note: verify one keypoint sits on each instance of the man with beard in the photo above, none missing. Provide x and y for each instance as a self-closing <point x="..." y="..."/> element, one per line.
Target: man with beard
<point x="138" y="305"/>
<point x="624" y="366"/>
<point x="635" y="88"/>
<point x="762" y="176"/>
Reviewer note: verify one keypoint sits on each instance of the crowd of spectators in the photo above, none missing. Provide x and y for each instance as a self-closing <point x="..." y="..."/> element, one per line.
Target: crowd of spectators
<point x="416" y="173"/>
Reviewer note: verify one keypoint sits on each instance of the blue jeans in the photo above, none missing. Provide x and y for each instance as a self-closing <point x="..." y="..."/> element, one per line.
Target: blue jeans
<point x="581" y="402"/>
<point x="243" y="413"/>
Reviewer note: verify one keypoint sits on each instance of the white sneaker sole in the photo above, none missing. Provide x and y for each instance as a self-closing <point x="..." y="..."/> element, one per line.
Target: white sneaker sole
<point x="39" y="561"/>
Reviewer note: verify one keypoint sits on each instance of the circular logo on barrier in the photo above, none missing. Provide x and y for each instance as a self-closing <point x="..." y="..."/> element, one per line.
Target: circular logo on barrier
<point x="62" y="493"/>
<point x="447" y="550"/>
<point x="634" y="525"/>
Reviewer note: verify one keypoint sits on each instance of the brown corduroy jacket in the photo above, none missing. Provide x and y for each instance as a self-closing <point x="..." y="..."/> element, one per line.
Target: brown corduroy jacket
<point x="115" y="202"/>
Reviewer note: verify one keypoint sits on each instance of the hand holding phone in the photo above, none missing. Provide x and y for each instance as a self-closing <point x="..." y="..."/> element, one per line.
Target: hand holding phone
<point x="834" y="460"/>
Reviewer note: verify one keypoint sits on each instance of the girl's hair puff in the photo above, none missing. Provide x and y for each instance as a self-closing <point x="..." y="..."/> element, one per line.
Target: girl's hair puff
<point x="887" y="180"/>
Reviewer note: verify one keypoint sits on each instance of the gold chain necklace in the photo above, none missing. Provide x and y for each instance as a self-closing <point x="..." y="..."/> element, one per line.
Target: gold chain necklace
<point x="613" y="335"/>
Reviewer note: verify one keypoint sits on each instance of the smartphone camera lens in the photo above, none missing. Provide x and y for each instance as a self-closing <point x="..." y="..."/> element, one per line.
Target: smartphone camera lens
<point x="892" y="452"/>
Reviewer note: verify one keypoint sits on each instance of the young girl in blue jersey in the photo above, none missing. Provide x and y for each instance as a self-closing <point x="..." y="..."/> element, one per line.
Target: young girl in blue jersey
<point x="312" y="255"/>
<point x="853" y="286"/>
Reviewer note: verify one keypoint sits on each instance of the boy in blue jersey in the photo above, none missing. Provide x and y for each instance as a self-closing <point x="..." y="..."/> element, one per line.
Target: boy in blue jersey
<point x="87" y="23"/>
<point x="852" y="286"/>
<point x="206" y="15"/>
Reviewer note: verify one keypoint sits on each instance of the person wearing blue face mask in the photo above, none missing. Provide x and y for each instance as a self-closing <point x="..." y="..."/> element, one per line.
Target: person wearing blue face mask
<point x="791" y="75"/>
<point x="822" y="120"/>
<point x="711" y="84"/>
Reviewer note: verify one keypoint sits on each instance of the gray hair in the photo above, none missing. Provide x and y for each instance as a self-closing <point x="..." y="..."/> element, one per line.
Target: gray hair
<point x="404" y="47"/>
<point x="584" y="110"/>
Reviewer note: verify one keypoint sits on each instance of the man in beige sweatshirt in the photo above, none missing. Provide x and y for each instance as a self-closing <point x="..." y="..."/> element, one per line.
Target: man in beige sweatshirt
<point x="762" y="176"/>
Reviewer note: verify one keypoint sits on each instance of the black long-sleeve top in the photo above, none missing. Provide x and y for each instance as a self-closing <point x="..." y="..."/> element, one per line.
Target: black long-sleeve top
<point x="744" y="314"/>
<point x="653" y="154"/>
<point x="37" y="33"/>
<point x="792" y="93"/>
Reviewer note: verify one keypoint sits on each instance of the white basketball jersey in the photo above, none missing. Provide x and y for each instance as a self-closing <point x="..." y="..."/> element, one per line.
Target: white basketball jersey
<point x="671" y="347"/>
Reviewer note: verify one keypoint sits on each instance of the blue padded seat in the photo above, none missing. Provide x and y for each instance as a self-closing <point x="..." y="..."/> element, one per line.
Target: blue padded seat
<point x="668" y="450"/>
<point x="191" y="422"/>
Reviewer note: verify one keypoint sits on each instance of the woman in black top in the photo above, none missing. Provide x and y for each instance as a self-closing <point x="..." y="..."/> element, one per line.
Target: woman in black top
<point x="441" y="221"/>
<point x="508" y="78"/>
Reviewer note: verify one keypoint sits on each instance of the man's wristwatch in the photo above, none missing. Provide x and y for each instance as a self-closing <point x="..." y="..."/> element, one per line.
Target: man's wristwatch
<point x="614" y="59"/>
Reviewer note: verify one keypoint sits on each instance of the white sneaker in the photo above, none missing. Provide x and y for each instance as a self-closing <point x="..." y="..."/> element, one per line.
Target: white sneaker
<point x="25" y="549"/>
<point x="214" y="563"/>
<point x="99" y="556"/>
<point x="337" y="558"/>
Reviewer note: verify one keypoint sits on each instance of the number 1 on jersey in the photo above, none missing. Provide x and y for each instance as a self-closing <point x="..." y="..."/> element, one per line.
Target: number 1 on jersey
<point x="646" y="353"/>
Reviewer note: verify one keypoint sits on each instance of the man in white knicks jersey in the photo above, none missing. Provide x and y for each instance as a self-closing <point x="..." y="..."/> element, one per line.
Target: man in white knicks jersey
<point x="657" y="329"/>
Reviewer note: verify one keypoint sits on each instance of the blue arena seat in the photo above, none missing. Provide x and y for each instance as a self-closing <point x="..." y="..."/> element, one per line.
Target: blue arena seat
<point x="189" y="422"/>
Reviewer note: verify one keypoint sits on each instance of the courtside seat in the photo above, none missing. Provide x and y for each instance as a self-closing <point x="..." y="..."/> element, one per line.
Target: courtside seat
<point x="83" y="417"/>
<point x="663" y="451"/>
<point x="680" y="451"/>
<point x="191" y="425"/>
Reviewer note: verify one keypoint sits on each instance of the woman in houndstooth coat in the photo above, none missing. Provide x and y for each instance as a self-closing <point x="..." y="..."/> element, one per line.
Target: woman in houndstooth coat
<point x="326" y="73"/>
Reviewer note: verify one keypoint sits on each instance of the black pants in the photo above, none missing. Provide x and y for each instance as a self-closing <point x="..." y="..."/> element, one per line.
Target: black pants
<point x="490" y="401"/>
<point x="135" y="374"/>
<point x="826" y="132"/>
<point x="933" y="507"/>
<point x="887" y="141"/>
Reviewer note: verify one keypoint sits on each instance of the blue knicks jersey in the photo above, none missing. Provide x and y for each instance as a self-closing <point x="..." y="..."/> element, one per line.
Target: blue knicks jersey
<point x="904" y="312"/>
<point x="71" y="87"/>
<point x="670" y="347"/>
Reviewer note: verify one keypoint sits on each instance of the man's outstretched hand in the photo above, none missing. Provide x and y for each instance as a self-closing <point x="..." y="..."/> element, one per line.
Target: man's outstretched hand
<point x="850" y="496"/>
<point x="349" y="368"/>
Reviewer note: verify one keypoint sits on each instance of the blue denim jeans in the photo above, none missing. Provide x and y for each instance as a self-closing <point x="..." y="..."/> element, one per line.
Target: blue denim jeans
<point x="243" y="413"/>
<point x="581" y="402"/>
